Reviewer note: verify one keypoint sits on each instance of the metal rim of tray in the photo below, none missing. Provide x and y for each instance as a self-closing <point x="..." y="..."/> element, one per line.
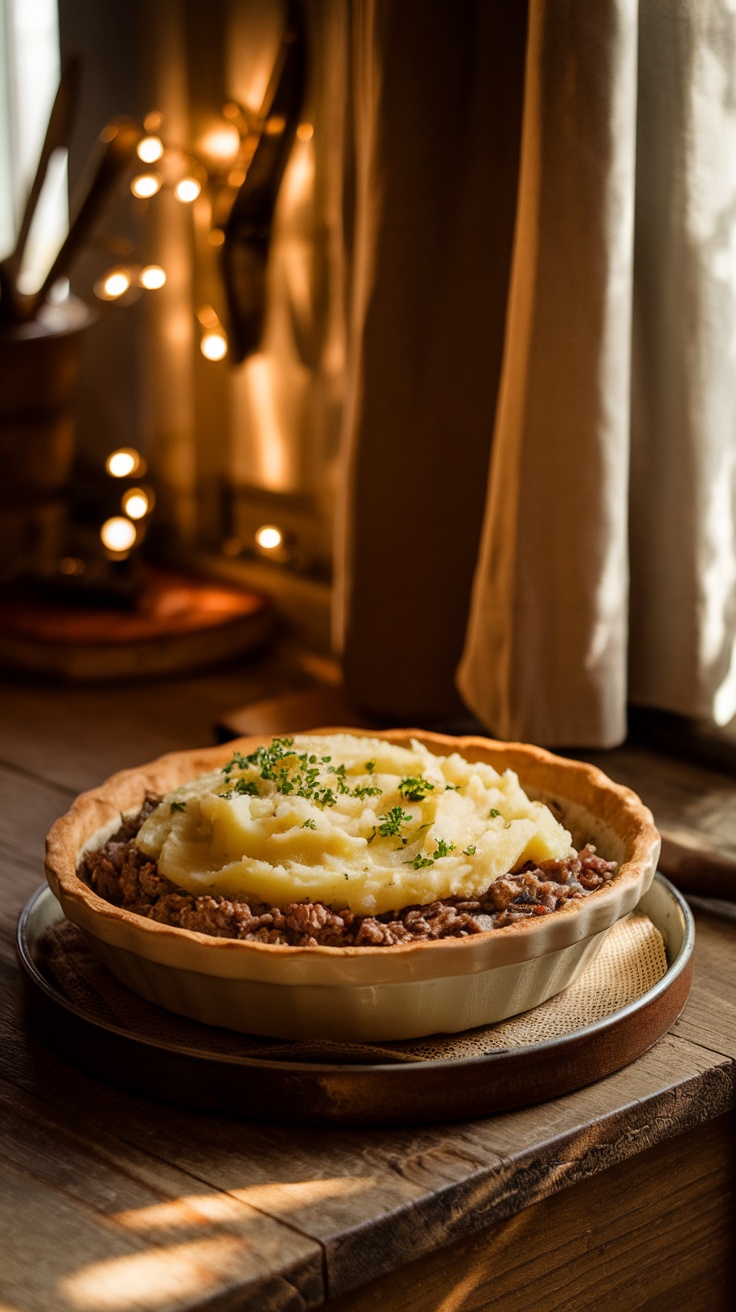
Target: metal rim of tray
<point x="367" y="1093"/>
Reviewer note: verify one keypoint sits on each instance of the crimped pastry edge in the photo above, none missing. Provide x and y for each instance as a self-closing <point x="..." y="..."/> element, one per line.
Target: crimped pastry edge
<point x="95" y="812"/>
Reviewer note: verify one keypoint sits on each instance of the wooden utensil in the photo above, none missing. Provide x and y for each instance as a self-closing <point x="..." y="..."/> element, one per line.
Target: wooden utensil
<point x="119" y="140"/>
<point x="57" y="138"/>
<point x="248" y="228"/>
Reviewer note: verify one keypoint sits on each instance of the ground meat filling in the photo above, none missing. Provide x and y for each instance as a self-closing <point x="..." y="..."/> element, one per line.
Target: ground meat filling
<point x="123" y="875"/>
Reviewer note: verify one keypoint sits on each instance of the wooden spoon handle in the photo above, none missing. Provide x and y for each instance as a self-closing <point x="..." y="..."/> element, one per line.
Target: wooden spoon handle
<point x="119" y="141"/>
<point x="696" y="869"/>
<point x="57" y="136"/>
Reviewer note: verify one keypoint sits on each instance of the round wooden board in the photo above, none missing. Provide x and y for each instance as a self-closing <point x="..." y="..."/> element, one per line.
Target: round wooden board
<point x="366" y="1094"/>
<point x="179" y="622"/>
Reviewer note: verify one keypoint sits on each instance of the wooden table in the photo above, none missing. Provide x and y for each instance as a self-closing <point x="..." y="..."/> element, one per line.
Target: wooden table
<point x="618" y="1196"/>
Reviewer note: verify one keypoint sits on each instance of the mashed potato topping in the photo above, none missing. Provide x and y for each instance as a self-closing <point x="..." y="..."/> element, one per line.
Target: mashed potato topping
<point x="350" y="821"/>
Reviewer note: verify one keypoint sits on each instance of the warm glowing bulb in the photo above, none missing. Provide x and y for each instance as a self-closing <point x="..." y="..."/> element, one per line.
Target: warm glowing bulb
<point x="123" y="462"/>
<point x="145" y="185"/>
<point x="305" y="132"/>
<point x="222" y="143"/>
<point x="149" y="149"/>
<point x="213" y="346"/>
<point x="152" y="277"/>
<point x="274" y="125"/>
<point x="187" y="190"/>
<point x="118" y="534"/>
<point x="136" y="503"/>
<point x="153" y="120"/>
<point x="216" y="237"/>
<point x="269" y="537"/>
<point x="236" y="177"/>
<point x="114" y="285"/>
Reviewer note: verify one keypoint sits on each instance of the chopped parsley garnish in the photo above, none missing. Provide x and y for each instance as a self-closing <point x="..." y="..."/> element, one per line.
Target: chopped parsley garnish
<point x="443" y="849"/>
<point x="339" y="773"/>
<point x="470" y="850"/>
<point x="370" y="767"/>
<point x="420" y="862"/>
<point x="423" y="862"/>
<point x="178" y="806"/>
<point x="366" y="790"/>
<point x="309" y="824"/>
<point x="246" y="787"/>
<point x="415" y="788"/>
<point x="392" y="822"/>
<point x="263" y="755"/>
<point x="452" y="788"/>
<point x="283" y="783"/>
<point x="493" y="814"/>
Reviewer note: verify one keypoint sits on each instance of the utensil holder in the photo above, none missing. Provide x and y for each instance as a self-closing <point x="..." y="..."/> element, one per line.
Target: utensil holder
<point x="39" y="370"/>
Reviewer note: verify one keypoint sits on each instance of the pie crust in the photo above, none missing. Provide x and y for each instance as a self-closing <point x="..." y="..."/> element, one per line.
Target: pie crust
<point x="361" y="993"/>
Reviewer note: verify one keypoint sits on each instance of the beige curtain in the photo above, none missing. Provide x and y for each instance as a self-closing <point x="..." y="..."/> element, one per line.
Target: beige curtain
<point x="538" y="494"/>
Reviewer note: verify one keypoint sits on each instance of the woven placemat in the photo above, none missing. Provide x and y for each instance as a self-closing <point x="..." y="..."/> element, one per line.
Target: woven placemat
<point x="631" y="960"/>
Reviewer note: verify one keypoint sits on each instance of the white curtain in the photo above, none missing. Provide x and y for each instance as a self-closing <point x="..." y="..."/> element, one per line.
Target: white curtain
<point x="601" y="568"/>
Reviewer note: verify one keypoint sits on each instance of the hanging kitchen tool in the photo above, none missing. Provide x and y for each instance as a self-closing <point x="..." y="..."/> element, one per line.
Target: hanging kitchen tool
<point x="57" y="138"/>
<point x="119" y="140"/>
<point x="249" y="225"/>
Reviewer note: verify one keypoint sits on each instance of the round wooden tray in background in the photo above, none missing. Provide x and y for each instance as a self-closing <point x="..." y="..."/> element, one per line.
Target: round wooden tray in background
<point x="319" y="1092"/>
<point x="179" y="622"/>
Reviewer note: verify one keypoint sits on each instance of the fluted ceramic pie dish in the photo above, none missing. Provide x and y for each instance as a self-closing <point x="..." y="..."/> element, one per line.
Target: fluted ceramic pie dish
<point x="361" y="993"/>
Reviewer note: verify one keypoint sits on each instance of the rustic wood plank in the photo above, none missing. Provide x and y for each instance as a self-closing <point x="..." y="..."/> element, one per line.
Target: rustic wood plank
<point x="76" y="736"/>
<point x="18" y="880"/>
<point x="710" y="1016"/>
<point x="95" y="1265"/>
<point x="654" y="1231"/>
<point x="28" y="808"/>
<point x="372" y="1197"/>
<point x="126" y="1201"/>
<point x="685" y="798"/>
<point x="544" y="1149"/>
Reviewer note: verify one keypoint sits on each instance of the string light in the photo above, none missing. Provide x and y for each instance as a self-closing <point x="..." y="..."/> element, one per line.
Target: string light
<point x="216" y="237"/>
<point x="149" y="149"/>
<point x="187" y="190"/>
<point x="274" y="125"/>
<point x="213" y="346"/>
<point x="305" y="132"/>
<point x="118" y="534"/>
<point x="114" y="285"/>
<point x="153" y="120"/>
<point x="124" y="462"/>
<point x="152" y="277"/>
<point x="222" y="143"/>
<point x="138" y="502"/>
<point x="145" y="185"/>
<point x="268" y="536"/>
